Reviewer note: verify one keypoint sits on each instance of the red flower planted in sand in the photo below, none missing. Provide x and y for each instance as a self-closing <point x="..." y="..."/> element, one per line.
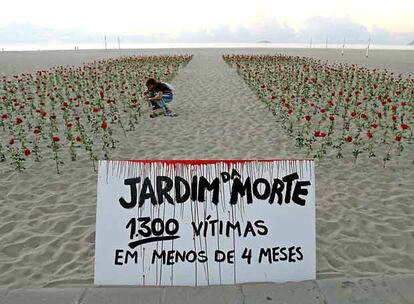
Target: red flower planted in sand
<point x="319" y="134"/>
<point x="353" y="114"/>
<point x="18" y="120"/>
<point x="11" y="141"/>
<point x="348" y="138"/>
<point x="78" y="138"/>
<point x="405" y="126"/>
<point x="398" y="138"/>
<point x="27" y="152"/>
<point x="37" y="131"/>
<point x="104" y="125"/>
<point x="370" y="134"/>
<point x="308" y="117"/>
<point x="55" y="139"/>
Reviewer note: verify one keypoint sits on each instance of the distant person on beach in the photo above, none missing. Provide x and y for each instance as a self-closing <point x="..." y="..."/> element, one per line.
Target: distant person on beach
<point x="159" y="94"/>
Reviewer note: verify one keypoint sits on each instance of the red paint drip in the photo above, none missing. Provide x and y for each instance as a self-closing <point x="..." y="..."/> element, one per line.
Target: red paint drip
<point x="209" y="161"/>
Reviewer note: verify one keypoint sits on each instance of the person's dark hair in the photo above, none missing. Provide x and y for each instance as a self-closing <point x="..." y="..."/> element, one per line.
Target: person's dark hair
<point x="151" y="81"/>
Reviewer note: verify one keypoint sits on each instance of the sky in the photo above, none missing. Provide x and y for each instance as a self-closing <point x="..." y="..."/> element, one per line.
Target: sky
<point x="389" y="22"/>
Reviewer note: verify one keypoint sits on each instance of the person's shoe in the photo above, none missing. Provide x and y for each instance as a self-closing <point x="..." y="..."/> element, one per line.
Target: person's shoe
<point x="170" y="114"/>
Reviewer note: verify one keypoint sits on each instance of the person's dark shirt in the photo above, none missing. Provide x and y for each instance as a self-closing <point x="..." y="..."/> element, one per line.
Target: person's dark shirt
<point x="162" y="87"/>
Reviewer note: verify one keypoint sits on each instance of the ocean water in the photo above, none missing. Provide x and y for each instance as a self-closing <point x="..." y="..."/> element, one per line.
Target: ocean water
<point x="94" y="46"/>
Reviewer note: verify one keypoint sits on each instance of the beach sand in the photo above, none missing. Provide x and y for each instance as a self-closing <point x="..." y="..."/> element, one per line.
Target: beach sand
<point x="365" y="213"/>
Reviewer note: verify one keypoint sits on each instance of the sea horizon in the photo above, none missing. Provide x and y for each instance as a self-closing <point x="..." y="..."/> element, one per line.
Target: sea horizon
<point x="124" y="46"/>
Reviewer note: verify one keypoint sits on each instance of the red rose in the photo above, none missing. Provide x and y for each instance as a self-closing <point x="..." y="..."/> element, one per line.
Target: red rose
<point x="323" y="111"/>
<point x="27" y="152"/>
<point x="273" y="97"/>
<point x="55" y="138"/>
<point x="398" y="138"/>
<point x="104" y="125"/>
<point x="374" y="125"/>
<point x="36" y="131"/>
<point x="364" y="116"/>
<point x="95" y="110"/>
<point x="102" y="95"/>
<point x="4" y="116"/>
<point x="308" y="117"/>
<point x="379" y="115"/>
<point x="348" y="138"/>
<point x="317" y="133"/>
<point x="290" y="111"/>
<point x="353" y="114"/>
<point x="332" y="118"/>
<point x="405" y="126"/>
<point x="370" y="134"/>
<point x="398" y="93"/>
<point x="77" y="118"/>
<point x="78" y="138"/>
<point x="18" y="120"/>
<point x="394" y="118"/>
<point x="11" y="141"/>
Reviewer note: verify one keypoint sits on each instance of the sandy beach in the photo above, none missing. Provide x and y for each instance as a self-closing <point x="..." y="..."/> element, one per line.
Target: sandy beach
<point x="365" y="213"/>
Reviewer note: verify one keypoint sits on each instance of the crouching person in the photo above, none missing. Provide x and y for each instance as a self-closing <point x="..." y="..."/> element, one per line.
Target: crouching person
<point x="159" y="94"/>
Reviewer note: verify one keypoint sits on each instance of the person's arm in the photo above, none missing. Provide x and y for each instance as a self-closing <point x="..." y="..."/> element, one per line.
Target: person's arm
<point x="156" y="97"/>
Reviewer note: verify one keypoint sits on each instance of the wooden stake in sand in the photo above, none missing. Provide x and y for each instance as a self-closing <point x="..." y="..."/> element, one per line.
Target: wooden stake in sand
<point x="119" y="44"/>
<point x="343" y="48"/>
<point x="106" y="46"/>
<point x="326" y="46"/>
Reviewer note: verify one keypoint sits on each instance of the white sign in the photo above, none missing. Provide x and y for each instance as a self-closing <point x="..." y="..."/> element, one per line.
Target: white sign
<point x="205" y="222"/>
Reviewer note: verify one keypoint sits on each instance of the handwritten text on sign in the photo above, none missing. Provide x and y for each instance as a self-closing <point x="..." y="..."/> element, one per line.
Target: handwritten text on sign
<point x="205" y="222"/>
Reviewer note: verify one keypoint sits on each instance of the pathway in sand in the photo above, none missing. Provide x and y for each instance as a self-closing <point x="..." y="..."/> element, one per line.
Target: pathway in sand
<point x="219" y="117"/>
